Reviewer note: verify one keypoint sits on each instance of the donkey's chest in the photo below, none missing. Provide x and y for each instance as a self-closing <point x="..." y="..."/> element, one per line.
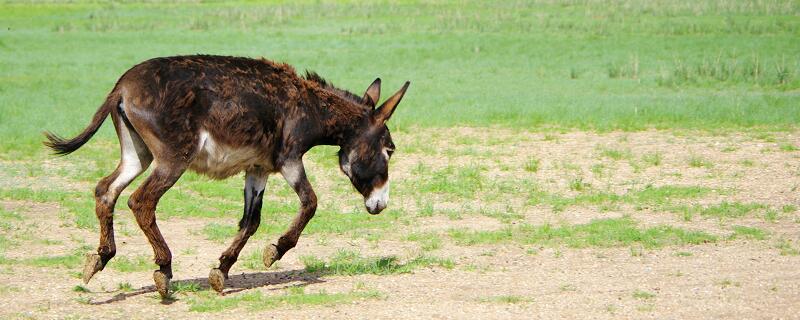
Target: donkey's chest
<point x="220" y="161"/>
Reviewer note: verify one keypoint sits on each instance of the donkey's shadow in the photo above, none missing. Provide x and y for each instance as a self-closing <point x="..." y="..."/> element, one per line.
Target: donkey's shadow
<point x="234" y="283"/>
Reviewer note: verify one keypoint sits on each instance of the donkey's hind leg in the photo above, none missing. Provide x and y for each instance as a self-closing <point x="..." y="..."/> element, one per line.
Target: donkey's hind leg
<point x="143" y="203"/>
<point x="135" y="158"/>
<point x="255" y="181"/>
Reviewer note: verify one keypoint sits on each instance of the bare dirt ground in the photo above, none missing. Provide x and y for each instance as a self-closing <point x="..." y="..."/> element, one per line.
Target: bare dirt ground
<point x="733" y="277"/>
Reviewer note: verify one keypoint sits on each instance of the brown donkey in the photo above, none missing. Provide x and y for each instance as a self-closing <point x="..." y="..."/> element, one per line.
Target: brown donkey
<point x="223" y="115"/>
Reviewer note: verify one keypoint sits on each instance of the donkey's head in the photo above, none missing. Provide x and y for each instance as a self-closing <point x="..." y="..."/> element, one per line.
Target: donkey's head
<point x="364" y="157"/>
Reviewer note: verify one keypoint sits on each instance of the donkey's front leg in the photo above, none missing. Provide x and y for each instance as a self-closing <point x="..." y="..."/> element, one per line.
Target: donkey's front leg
<point x="295" y="175"/>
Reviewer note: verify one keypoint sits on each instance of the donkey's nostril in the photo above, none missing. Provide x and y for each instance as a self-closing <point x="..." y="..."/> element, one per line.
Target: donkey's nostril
<point x="377" y="199"/>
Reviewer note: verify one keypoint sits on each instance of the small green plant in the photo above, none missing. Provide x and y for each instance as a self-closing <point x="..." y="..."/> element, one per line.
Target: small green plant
<point x="428" y="240"/>
<point x="643" y="295"/>
<point x="786" y="248"/>
<point x="788" y="147"/>
<point x="683" y="254"/>
<point x="653" y="159"/>
<point x="184" y="287"/>
<point x="577" y="184"/>
<point x="131" y="264"/>
<point x="771" y="215"/>
<point x="510" y="299"/>
<point x="748" y="233"/>
<point x="218" y="232"/>
<point x="124" y="286"/>
<point x="615" y="154"/>
<point x="699" y="162"/>
<point x="789" y="208"/>
<point x="532" y="165"/>
<point x="80" y="288"/>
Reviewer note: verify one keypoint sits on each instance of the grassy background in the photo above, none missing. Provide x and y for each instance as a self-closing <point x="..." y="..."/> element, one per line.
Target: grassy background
<point x="597" y="65"/>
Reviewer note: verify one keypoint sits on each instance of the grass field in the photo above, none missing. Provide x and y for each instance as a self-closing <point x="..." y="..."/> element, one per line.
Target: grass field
<point x="604" y="159"/>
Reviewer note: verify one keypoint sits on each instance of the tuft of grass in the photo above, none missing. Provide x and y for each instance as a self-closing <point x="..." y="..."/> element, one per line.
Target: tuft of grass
<point x="788" y="147"/>
<point x="683" y="254"/>
<point x="125" y="286"/>
<point x="615" y="154"/>
<point x="468" y="237"/>
<point x="219" y="232"/>
<point x="184" y="287"/>
<point x="293" y="297"/>
<point x="643" y="295"/>
<point x="532" y="165"/>
<point x="509" y="299"/>
<point x="577" y="184"/>
<point x="427" y="240"/>
<point x="786" y="248"/>
<point x="699" y="162"/>
<point x="131" y="264"/>
<point x="789" y="208"/>
<point x="352" y="263"/>
<point x="80" y="288"/>
<point x="748" y="233"/>
<point x="597" y="233"/>
<point x="461" y="182"/>
<point x="731" y="209"/>
<point x="653" y="159"/>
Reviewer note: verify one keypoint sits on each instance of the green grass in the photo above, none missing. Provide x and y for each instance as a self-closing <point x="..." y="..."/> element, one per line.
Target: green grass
<point x="748" y="233"/>
<point x="80" y="206"/>
<point x="598" y="233"/>
<point x="461" y="182"/>
<point x="427" y="240"/>
<point x="647" y="196"/>
<point x="132" y="264"/>
<point x="653" y="158"/>
<point x="699" y="162"/>
<point x="731" y="209"/>
<point x="615" y="154"/>
<point x="786" y="248"/>
<point x="294" y="297"/>
<point x="219" y="233"/>
<point x="532" y="165"/>
<point x="588" y="65"/>
<point x="643" y="295"/>
<point x="352" y="263"/>
<point x="508" y="299"/>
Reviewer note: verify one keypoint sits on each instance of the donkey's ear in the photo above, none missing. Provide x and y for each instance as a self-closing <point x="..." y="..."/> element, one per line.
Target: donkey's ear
<point x="373" y="93"/>
<point x="383" y="113"/>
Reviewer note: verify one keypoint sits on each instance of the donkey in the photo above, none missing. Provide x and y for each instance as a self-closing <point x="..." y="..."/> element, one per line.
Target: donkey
<point x="219" y="116"/>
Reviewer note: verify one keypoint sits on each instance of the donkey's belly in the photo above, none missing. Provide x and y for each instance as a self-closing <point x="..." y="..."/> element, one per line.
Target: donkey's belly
<point x="220" y="161"/>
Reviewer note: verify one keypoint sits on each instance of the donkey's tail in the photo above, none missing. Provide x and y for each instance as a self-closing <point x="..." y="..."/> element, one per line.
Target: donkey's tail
<point x="63" y="146"/>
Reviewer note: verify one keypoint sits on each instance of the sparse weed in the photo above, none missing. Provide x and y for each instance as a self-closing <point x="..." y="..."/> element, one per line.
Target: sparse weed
<point x="643" y="295"/>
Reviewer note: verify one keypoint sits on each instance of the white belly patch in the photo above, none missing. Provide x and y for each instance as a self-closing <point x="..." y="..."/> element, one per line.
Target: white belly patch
<point x="220" y="161"/>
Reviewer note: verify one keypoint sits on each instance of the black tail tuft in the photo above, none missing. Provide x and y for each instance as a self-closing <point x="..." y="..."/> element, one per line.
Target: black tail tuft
<point x="60" y="145"/>
<point x="64" y="147"/>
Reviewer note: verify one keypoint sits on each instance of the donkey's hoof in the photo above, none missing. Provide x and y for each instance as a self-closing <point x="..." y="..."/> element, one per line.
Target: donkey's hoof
<point x="216" y="279"/>
<point x="92" y="266"/>
<point x="270" y="255"/>
<point x="162" y="283"/>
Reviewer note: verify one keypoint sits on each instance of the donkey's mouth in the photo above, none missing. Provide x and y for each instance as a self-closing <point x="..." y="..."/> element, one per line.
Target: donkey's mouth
<point x="375" y="209"/>
<point x="377" y="199"/>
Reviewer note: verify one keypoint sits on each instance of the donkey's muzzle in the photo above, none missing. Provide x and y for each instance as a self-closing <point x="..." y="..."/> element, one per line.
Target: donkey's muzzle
<point x="378" y="199"/>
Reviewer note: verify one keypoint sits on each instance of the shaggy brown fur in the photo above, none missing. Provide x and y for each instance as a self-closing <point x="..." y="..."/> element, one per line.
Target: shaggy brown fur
<point x="223" y="115"/>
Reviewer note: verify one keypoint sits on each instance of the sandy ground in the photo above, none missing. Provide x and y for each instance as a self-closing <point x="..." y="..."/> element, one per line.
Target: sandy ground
<point x="741" y="278"/>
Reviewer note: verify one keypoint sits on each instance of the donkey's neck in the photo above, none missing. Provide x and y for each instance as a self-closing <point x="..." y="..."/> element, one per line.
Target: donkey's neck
<point x="337" y="120"/>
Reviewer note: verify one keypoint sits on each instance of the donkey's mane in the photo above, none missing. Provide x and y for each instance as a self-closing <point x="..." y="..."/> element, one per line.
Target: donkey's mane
<point x="316" y="78"/>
